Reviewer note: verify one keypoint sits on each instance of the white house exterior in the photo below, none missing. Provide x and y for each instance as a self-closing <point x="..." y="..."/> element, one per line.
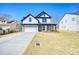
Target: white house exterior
<point x="42" y="22"/>
<point x="44" y="15"/>
<point x="31" y="24"/>
<point x="69" y="22"/>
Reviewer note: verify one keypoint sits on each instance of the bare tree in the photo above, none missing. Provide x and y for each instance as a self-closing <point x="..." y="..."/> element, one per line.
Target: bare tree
<point x="5" y="17"/>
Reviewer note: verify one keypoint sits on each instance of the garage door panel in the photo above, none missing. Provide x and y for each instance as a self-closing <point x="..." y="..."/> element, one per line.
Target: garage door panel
<point x="31" y="28"/>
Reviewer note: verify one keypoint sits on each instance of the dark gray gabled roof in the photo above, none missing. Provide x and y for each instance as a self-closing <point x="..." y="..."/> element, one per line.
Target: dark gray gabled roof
<point x="28" y="16"/>
<point x="42" y="13"/>
<point x="12" y="21"/>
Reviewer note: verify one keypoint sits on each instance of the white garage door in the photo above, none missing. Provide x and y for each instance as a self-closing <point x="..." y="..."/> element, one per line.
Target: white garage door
<point x="30" y="28"/>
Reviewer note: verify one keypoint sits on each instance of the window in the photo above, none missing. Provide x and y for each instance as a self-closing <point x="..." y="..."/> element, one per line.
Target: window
<point x="77" y="22"/>
<point x="73" y="19"/>
<point x="30" y="19"/>
<point x="62" y="22"/>
<point x="43" y="27"/>
<point x="44" y="20"/>
<point x="65" y="21"/>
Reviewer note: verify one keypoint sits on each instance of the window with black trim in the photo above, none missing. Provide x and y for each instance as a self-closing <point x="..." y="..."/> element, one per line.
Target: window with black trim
<point x="62" y="22"/>
<point x="77" y="22"/>
<point x="44" y="20"/>
<point x="73" y="19"/>
<point x="30" y="19"/>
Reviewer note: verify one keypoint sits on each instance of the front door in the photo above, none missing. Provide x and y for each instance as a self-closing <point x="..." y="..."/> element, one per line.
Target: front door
<point x="44" y="28"/>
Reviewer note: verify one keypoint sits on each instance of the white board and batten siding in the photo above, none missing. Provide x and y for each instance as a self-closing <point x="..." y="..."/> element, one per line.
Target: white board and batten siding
<point x="45" y="15"/>
<point x="30" y="28"/>
<point x="34" y="21"/>
<point x="69" y="22"/>
<point x="48" y="21"/>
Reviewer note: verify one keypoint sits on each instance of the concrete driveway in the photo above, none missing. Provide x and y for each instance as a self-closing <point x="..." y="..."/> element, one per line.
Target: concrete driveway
<point x="15" y="44"/>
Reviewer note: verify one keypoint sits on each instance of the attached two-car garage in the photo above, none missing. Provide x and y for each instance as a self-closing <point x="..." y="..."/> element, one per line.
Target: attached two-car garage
<point x="30" y="28"/>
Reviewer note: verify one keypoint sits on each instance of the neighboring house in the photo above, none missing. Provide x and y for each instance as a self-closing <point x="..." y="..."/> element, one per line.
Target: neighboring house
<point x="14" y="26"/>
<point x="10" y="25"/>
<point x="69" y="22"/>
<point x="41" y="23"/>
<point x="3" y="24"/>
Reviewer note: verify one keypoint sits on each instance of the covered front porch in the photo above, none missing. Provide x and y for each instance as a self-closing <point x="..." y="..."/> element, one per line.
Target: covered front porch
<point x="46" y="27"/>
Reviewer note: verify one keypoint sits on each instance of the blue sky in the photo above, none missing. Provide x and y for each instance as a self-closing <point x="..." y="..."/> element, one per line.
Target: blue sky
<point x="56" y="10"/>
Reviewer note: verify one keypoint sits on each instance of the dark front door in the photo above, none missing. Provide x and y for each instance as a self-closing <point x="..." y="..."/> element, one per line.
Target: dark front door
<point x="41" y="28"/>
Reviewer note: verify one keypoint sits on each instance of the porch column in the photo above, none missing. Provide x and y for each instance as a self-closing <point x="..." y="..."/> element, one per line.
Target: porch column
<point x="51" y="27"/>
<point x="55" y="27"/>
<point x="45" y="28"/>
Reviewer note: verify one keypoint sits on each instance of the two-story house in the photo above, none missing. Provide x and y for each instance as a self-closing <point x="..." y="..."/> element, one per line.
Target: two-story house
<point x="40" y="23"/>
<point x="70" y="22"/>
<point x="9" y="25"/>
<point x="3" y="24"/>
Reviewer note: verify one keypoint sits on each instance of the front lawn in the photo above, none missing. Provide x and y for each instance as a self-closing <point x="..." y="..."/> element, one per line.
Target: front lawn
<point x="54" y="43"/>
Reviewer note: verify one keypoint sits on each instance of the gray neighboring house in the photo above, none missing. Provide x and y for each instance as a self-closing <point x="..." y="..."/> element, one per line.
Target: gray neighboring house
<point x="40" y="23"/>
<point x="3" y="26"/>
<point x="14" y="25"/>
<point x="10" y="25"/>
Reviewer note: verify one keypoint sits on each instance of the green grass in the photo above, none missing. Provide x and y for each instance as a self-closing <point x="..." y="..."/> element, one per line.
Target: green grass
<point x="54" y="43"/>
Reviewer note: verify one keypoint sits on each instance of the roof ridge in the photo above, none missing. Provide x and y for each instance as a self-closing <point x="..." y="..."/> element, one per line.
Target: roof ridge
<point x="43" y="12"/>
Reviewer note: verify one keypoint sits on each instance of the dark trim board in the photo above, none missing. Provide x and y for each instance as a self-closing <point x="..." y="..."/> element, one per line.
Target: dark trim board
<point x="51" y="27"/>
<point x="38" y="16"/>
<point x="29" y="24"/>
<point x="39" y="24"/>
<point x="43" y="17"/>
<point x="28" y="16"/>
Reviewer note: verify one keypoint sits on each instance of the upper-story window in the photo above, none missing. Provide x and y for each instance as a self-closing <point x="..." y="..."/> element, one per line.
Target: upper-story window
<point x="77" y="22"/>
<point x="73" y="19"/>
<point x="44" y="20"/>
<point x="30" y="19"/>
<point x="3" y="21"/>
<point x="62" y="22"/>
<point x="65" y="21"/>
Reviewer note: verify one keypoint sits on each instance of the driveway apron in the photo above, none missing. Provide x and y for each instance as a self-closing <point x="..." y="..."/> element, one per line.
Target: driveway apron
<point x="15" y="44"/>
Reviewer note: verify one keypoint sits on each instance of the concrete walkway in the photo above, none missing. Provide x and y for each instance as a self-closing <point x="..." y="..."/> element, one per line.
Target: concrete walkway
<point x="15" y="44"/>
